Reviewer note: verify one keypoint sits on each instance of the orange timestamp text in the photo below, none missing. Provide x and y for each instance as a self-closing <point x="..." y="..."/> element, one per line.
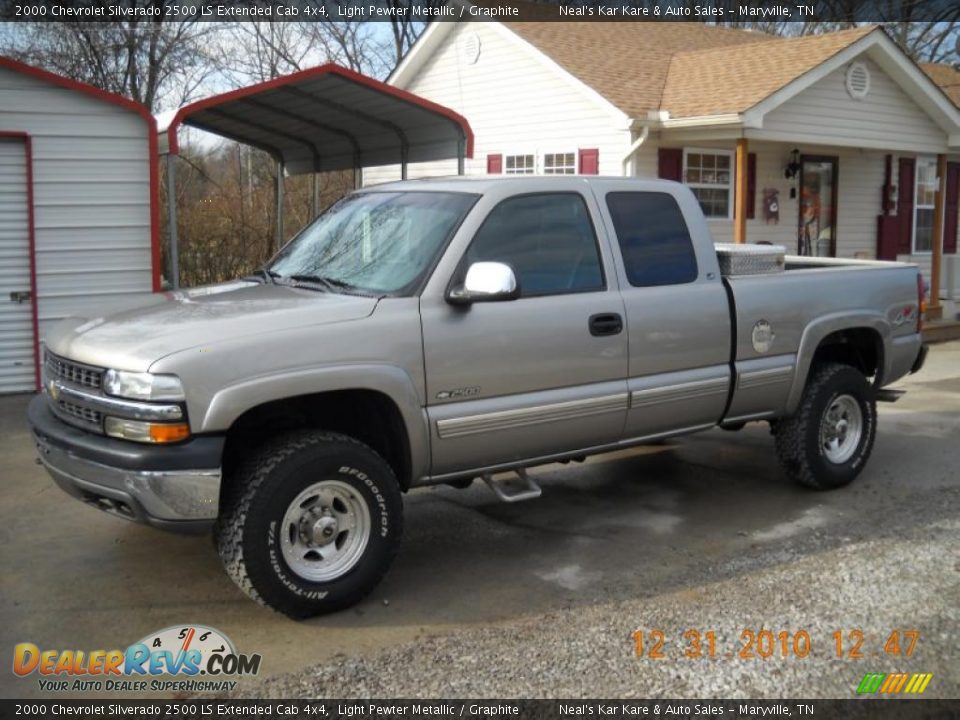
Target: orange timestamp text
<point x="766" y="643"/>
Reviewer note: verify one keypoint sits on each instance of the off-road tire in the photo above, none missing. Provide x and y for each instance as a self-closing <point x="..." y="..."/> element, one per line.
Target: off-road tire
<point x="798" y="440"/>
<point x="247" y="530"/>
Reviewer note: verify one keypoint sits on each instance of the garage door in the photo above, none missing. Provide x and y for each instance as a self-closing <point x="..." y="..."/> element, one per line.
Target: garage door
<point x="16" y="311"/>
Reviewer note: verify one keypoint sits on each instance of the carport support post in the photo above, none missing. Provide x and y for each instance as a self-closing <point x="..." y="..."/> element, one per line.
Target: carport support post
<point x="279" y="204"/>
<point x="740" y="193"/>
<point x="934" y="310"/>
<point x="315" y="192"/>
<point x="461" y="152"/>
<point x="172" y="220"/>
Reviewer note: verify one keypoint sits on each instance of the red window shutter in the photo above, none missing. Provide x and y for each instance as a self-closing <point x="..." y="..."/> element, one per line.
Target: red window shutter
<point x="905" y="190"/>
<point x="670" y="163"/>
<point x="751" y="185"/>
<point x="589" y="161"/>
<point x="494" y="164"/>
<point x="888" y="237"/>
<point x="951" y="208"/>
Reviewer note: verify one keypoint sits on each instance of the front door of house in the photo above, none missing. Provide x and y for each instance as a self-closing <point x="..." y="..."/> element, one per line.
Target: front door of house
<point x="817" y="234"/>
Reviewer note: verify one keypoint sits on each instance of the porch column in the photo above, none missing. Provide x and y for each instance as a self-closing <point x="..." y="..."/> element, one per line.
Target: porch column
<point x="740" y="193"/>
<point x="934" y="310"/>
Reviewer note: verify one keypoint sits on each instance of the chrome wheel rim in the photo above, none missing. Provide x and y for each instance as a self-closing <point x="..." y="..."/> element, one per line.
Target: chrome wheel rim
<point x="841" y="429"/>
<point x="325" y="531"/>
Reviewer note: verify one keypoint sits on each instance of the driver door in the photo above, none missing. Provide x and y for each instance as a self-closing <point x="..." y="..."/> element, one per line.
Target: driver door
<point x="545" y="374"/>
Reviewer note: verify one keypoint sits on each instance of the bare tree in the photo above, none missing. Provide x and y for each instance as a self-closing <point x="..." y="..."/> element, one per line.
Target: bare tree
<point x="155" y="62"/>
<point x="251" y="52"/>
<point x="352" y="44"/>
<point x="406" y="27"/>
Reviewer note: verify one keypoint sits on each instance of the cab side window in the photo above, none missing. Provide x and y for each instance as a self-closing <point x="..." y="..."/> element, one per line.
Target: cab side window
<point x="654" y="239"/>
<point x="547" y="238"/>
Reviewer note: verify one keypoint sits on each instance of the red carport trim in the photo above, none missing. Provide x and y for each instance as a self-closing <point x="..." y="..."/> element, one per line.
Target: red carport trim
<point x="31" y="247"/>
<point x="328" y="69"/>
<point x="127" y="104"/>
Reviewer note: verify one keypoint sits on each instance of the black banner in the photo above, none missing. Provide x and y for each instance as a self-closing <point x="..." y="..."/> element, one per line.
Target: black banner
<point x="880" y="709"/>
<point x="721" y="11"/>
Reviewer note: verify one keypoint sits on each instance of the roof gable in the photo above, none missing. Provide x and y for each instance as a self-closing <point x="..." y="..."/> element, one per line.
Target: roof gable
<point x="734" y="79"/>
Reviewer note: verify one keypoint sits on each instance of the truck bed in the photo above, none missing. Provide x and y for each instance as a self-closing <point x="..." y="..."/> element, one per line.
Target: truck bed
<point x="810" y="299"/>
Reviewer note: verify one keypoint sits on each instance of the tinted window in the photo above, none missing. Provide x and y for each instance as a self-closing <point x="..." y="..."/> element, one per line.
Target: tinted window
<point x="653" y="237"/>
<point x="548" y="239"/>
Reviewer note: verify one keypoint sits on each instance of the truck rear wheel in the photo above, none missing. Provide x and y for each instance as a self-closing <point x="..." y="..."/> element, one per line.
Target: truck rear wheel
<point x="313" y="524"/>
<point x="828" y="441"/>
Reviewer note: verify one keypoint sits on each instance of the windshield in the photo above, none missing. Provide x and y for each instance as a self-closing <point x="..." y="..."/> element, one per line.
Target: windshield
<point x="375" y="242"/>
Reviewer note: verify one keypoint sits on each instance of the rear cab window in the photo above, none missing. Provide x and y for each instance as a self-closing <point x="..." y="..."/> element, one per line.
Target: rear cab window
<point x="654" y="240"/>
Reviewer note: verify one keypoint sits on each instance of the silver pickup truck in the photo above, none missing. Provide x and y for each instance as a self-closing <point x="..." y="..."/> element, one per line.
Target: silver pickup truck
<point x="441" y="331"/>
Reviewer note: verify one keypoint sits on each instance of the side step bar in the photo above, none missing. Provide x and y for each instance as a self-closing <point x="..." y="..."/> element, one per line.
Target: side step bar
<point x="888" y="395"/>
<point x="507" y="489"/>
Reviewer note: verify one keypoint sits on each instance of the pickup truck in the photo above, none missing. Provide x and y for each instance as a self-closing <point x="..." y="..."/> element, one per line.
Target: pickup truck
<point x="440" y="331"/>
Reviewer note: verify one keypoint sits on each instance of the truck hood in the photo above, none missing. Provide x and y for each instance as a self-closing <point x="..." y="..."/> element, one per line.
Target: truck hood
<point x="170" y="322"/>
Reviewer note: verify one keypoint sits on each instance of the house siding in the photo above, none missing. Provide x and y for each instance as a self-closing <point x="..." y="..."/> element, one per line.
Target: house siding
<point x="91" y="189"/>
<point x="514" y="103"/>
<point x="886" y="119"/>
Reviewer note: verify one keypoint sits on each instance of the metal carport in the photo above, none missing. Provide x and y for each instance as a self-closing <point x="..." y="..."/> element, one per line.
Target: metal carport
<point x="318" y="120"/>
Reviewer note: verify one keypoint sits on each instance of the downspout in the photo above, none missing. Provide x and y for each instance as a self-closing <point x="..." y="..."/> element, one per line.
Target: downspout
<point x="628" y="158"/>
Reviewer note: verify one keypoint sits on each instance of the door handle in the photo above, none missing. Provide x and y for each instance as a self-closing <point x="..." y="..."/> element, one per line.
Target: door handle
<point x="19" y="296"/>
<point x="605" y="324"/>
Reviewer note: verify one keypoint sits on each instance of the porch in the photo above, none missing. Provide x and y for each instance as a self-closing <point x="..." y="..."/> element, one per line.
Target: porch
<point x="820" y="199"/>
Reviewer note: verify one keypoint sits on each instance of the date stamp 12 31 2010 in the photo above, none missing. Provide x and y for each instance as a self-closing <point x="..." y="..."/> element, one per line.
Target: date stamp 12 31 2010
<point x="766" y="643"/>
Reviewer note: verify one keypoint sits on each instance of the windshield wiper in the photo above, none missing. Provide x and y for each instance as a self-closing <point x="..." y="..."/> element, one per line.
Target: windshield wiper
<point x="269" y="276"/>
<point x="328" y="282"/>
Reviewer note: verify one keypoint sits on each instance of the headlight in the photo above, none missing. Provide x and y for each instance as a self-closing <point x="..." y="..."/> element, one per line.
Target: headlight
<point x="142" y="386"/>
<point x="148" y="432"/>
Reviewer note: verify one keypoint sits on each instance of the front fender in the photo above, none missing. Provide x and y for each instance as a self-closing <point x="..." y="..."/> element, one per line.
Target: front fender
<point x="819" y="329"/>
<point x="230" y="402"/>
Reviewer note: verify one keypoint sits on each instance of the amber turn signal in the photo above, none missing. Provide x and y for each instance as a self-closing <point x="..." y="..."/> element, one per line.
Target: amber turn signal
<point x="169" y="433"/>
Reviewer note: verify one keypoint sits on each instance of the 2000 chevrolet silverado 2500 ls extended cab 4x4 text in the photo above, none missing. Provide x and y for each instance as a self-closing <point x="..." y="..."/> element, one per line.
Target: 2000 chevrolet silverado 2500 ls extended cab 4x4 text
<point x="439" y="331"/>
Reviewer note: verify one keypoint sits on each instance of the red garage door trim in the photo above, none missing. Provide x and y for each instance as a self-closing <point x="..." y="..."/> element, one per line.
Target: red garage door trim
<point x="152" y="149"/>
<point x="31" y="246"/>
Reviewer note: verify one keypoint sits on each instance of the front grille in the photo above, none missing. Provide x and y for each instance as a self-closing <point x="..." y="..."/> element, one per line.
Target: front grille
<point x="75" y="373"/>
<point x="78" y="412"/>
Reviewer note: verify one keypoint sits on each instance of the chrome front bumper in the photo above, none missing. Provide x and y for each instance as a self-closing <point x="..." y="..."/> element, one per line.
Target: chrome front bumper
<point x="178" y="500"/>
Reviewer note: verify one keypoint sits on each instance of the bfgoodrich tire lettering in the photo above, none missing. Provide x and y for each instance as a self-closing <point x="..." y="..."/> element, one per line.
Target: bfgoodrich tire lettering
<point x="251" y="531"/>
<point x="800" y="440"/>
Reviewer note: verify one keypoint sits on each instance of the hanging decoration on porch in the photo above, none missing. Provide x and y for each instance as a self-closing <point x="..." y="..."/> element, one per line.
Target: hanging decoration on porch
<point x="771" y="206"/>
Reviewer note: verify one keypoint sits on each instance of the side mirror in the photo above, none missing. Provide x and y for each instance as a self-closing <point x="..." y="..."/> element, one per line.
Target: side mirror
<point x="486" y="282"/>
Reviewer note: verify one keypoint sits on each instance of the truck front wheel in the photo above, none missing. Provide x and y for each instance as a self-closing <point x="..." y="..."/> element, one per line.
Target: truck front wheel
<point x="313" y="523"/>
<point x="827" y="442"/>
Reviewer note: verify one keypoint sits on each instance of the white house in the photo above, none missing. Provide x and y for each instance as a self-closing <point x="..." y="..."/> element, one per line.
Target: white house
<point x="834" y="140"/>
<point x="78" y="215"/>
